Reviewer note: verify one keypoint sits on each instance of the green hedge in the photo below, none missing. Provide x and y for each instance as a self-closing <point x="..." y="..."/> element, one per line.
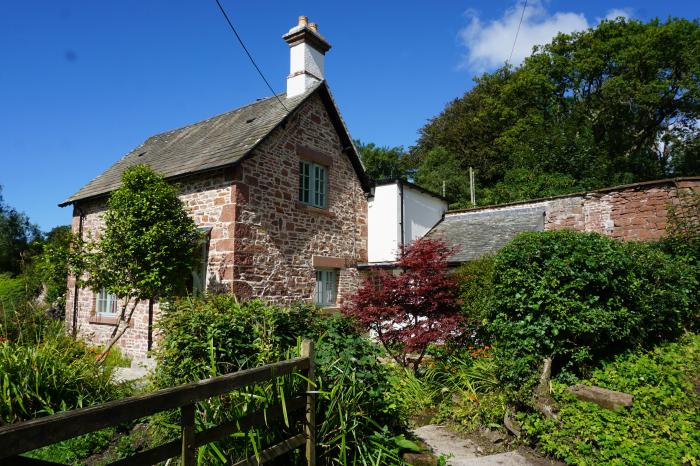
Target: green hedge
<point x="581" y="298"/>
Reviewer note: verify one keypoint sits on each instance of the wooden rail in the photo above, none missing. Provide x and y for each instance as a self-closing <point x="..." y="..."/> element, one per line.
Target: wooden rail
<point x="30" y="435"/>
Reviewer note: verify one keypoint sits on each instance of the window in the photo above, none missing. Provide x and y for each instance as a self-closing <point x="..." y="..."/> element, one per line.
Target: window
<point x="106" y="303"/>
<point x="199" y="271"/>
<point x="326" y="281"/>
<point x="313" y="182"/>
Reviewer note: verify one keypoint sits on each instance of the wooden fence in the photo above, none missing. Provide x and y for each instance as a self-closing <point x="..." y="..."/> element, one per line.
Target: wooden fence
<point x="30" y="435"/>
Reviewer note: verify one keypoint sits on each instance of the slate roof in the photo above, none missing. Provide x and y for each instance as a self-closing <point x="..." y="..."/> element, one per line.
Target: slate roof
<point x="215" y="142"/>
<point x="478" y="233"/>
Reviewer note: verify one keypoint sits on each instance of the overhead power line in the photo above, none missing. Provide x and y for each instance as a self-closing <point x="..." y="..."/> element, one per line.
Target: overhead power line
<point x="240" y="41"/>
<point x="522" y="15"/>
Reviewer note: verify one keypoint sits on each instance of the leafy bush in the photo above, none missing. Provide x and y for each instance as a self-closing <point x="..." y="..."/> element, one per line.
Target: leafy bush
<point x="56" y="374"/>
<point x="580" y="298"/>
<point x="12" y="291"/>
<point x="475" y="282"/>
<point x="202" y="337"/>
<point x="242" y="335"/>
<point x="661" y="427"/>
<point x="412" y="309"/>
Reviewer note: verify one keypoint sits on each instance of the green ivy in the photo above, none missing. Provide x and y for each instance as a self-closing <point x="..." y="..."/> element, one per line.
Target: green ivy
<point x="662" y="426"/>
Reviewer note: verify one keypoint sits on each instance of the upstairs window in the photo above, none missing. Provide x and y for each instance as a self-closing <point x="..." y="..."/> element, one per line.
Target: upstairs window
<point x="326" y="287"/>
<point x="106" y="303"/>
<point x="313" y="184"/>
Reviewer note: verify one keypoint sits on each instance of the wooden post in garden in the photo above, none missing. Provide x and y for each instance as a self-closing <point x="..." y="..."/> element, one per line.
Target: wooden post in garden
<point x="307" y="351"/>
<point x="188" y="448"/>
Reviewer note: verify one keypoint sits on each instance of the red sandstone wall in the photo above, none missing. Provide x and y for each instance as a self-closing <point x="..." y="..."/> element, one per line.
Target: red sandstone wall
<point x="633" y="213"/>
<point x="276" y="237"/>
<point x="262" y="241"/>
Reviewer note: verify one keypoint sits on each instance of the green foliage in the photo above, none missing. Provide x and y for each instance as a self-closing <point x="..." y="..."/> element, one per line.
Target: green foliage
<point x="202" y="337"/>
<point x="610" y="105"/>
<point x="74" y="450"/>
<point x="382" y="162"/>
<point x="439" y="166"/>
<point x="57" y="373"/>
<point x="660" y="428"/>
<point x="16" y="236"/>
<point x="523" y="183"/>
<point x="12" y="291"/>
<point x="147" y="247"/>
<point x="475" y="281"/>
<point x="242" y="334"/>
<point x="52" y="265"/>
<point x="580" y="298"/>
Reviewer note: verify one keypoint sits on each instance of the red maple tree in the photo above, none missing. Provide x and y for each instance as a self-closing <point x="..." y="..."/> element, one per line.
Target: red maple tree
<point x="413" y="308"/>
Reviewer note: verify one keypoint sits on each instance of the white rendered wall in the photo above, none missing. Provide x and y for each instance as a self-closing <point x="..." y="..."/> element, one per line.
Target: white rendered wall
<point x="303" y="59"/>
<point x="383" y="227"/>
<point x="421" y="213"/>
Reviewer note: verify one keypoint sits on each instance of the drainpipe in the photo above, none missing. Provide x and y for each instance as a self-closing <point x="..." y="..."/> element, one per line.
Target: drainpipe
<point x="74" y="330"/>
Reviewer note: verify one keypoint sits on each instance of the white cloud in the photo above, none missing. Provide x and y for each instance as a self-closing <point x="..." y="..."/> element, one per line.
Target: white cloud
<point x="489" y="44"/>
<point x="617" y="12"/>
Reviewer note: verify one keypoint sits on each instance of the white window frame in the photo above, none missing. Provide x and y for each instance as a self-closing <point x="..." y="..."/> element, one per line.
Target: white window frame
<point x="105" y="303"/>
<point x="313" y="184"/>
<point x="326" y="290"/>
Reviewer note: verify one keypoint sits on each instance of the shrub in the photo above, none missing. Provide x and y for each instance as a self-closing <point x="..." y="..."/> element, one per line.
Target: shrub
<point x="241" y="334"/>
<point x="661" y="427"/>
<point x="580" y="298"/>
<point x="475" y="285"/>
<point x="56" y="374"/>
<point x="412" y="309"/>
<point x="201" y="337"/>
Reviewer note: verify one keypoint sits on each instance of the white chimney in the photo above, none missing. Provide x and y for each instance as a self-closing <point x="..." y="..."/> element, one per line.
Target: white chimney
<point x="307" y="49"/>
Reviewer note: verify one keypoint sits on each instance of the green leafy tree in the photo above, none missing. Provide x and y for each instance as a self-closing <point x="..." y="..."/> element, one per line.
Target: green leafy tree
<point x="146" y="249"/>
<point x="382" y="162"/>
<point x="16" y="236"/>
<point x="614" y="104"/>
<point x="52" y="265"/>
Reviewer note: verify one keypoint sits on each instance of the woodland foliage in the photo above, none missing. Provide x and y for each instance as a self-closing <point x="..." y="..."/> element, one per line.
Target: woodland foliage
<point x="618" y="103"/>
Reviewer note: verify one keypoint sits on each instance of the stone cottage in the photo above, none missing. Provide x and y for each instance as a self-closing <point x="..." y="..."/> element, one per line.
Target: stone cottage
<point x="277" y="186"/>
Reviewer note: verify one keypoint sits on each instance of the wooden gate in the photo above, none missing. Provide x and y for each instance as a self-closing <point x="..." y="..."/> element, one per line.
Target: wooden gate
<point x="30" y="435"/>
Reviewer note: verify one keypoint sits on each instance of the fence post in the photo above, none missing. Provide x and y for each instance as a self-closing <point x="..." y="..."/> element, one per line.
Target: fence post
<point x="307" y="351"/>
<point x="188" y="450"/>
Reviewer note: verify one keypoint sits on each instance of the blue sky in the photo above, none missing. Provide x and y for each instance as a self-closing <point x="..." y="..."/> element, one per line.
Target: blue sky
<point x="83" y="82"/>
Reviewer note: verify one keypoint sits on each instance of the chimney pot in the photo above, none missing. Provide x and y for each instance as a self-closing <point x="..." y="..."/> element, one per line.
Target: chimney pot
<point x="307" y="49"/>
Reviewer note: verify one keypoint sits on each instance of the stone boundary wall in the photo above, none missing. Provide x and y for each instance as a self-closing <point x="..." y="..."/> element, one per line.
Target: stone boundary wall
<point x="635" y="212"/>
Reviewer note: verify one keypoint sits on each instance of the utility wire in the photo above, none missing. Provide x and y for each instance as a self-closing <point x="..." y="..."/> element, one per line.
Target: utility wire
<point x="522" y="15"/>
<point x="223" y="12"/>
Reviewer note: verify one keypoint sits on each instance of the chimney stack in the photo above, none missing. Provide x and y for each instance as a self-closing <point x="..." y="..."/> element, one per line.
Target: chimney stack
<point x="307" y="50"/>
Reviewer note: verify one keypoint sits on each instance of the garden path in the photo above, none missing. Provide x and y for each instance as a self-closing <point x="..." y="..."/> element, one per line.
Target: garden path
<point x="465" y="452"/>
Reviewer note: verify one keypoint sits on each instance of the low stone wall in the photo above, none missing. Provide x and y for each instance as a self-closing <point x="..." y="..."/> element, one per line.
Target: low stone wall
<point x="630" y="212"/>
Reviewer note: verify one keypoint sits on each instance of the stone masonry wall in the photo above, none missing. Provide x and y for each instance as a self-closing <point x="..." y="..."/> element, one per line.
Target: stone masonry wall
<point x="205" y="196"/>
<point x="635" y="212"/>
<point x="279" y="242"/>
<point x="263" y="242"/>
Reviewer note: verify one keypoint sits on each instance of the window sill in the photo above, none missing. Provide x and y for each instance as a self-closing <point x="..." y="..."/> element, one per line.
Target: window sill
<point x="313" y="210"/>
<point x="107" y="320"/>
